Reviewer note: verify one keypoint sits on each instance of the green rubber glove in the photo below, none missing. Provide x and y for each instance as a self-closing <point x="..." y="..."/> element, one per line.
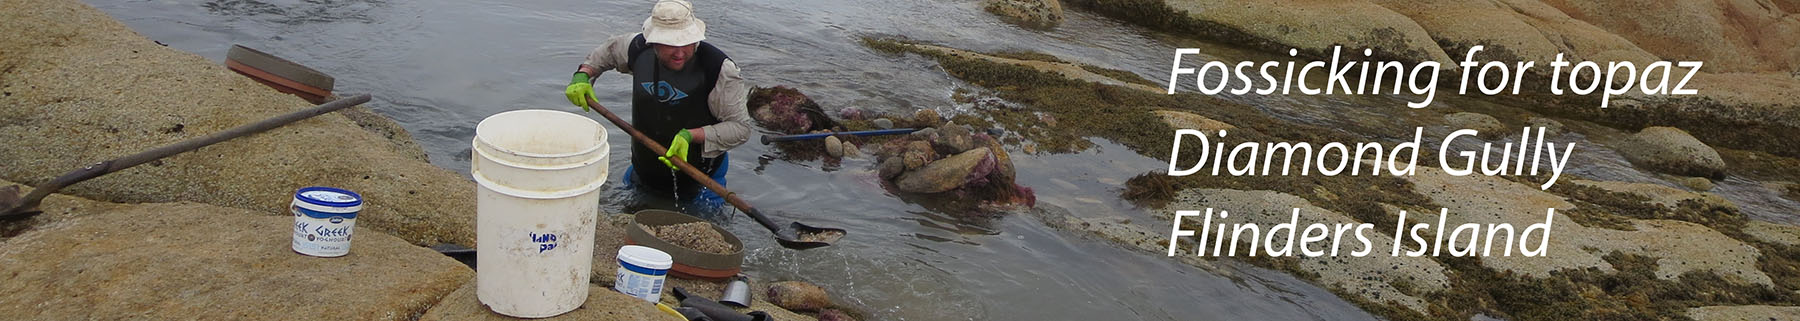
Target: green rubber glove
<point x="580" y="90"/>
<point x="678" y="148"/>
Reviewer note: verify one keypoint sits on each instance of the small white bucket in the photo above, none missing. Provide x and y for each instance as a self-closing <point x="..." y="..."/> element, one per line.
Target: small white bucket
<point x="641" y="272"/>
<point x="538" y="174"/>
<point x="324" y="218"/>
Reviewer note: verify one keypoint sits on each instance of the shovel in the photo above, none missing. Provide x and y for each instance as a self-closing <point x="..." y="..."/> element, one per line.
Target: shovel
<point x="14" y="208"/>
<point x="789" y="138"/>
<point x="796" y="236"/>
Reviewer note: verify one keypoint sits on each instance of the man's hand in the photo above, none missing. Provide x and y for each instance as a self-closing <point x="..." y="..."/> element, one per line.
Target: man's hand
<point x="678" y="148"/>
<point x="580" y="90"/>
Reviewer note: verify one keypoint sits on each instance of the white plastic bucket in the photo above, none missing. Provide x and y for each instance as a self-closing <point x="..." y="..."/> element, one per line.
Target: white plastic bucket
<point x="641" y="272"/>
<point x="538" y="174"/>
<point x="324" y="218"/>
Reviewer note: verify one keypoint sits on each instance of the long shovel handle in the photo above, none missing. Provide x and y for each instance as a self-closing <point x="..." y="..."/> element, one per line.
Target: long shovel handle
<point x="102" y="168"/>
<point x="690" y="170"/>
<point x="878" y="132"/>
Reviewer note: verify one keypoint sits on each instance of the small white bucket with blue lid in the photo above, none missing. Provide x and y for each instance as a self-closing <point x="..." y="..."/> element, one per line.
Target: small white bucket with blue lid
<point x="324" y="218"/>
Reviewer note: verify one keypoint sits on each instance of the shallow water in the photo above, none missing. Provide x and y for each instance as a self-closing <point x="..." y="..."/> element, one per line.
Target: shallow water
<point x="440" y="67"/>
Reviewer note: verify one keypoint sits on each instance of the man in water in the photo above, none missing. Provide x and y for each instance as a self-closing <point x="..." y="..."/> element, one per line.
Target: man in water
<point x="684" y="91"/>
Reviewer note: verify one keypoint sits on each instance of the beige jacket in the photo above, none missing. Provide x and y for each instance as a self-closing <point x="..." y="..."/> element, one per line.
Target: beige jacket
<point x="726" y="101"/>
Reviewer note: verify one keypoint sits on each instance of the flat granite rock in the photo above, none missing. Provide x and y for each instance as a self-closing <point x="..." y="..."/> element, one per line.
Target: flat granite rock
<point x="57" y="117"/>
<point x="602" y="304"/>
<point x="187" y="260"/>
<point x="1743" y="313"/>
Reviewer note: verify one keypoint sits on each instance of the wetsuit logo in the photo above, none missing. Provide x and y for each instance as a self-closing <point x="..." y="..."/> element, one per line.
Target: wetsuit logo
<point x="664" y="92"/>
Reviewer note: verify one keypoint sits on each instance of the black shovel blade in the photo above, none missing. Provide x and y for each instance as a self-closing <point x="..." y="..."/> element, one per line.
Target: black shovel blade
<point x="12" y="204"/>
<point x="801" y="236"/>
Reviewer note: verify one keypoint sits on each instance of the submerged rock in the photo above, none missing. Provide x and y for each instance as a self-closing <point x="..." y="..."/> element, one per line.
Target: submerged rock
<point x="891" y="168"/>
<point x="835" y="315"/>
<point x="1672" y="150"/>
<point x="1698" y="184"/>
<point x="798" y="296"/>
<point x="945" y="174"/>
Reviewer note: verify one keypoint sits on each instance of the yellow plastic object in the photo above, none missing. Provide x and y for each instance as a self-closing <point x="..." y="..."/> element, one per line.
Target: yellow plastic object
<point x="671" y="311"/>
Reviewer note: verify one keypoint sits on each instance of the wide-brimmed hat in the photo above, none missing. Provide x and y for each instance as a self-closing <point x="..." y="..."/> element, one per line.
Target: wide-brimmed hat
<point x="672" y="22"/>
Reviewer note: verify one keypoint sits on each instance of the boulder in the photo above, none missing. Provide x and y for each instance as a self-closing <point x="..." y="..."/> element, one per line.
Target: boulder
<point x="1551" y="127"/>
<point x="1729" y="35"/>
<point x="944" y="174"/>
<point x="602" y="304"/>
<point x="1672" y="150"/>
<point x="883" y="123"/>
<point x="798" y="296"/>
<point x="927" y="118"/>
<point x="834" y="146"/>
<point x="1310" y="26"/>
<point x="953" y="138"/>
<point x="1487" y="125"/>
<point x="1036" y="14"/>
<point x="187" y="260"/>
<point x="892" y="168"/>
<point x="1514" y="31"/>
<point x="1698" y="184"/>
<point x="917" y="154"/>
<point x="851" y="150"/>
<point x="1006" y="171"/>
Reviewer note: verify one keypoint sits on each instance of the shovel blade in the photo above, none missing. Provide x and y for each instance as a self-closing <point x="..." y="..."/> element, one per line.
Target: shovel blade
<point x="801" y="236"/>
<point x="9" y="199"/>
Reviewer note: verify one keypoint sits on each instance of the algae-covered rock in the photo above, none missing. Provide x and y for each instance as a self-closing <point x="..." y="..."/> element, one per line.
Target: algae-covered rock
<point x="917" y="154"/>
<point x="928" y="118"/>
<point x="602" y="304"/>
<point x="187" y="260"/>
<point x="786" y="110"/>
<point x="1672" y="150"/>
<point x="1479" y="122"/>
<point x="944" y="174"/>
<point x="798" y="296"/>
<point x="1037" y="14"/>
<point x="1187" y="120"/>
